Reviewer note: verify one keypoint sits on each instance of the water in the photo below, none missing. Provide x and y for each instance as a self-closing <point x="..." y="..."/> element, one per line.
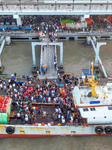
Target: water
<point x="57" y="143"/>
<point x="18" y="59"/>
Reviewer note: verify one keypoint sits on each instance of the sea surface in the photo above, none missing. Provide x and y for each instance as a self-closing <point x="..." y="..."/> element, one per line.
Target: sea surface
<point x="18" y="58"/>
<point x="57" y="143"/>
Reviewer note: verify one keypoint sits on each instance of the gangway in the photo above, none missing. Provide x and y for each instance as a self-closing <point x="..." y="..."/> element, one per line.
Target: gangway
<point x="3" y="40"/>
<point x="47" y="60"/>
<point x="47" y="57"/>
<point x="1" y="49"/>
<point x="97" y="57"/>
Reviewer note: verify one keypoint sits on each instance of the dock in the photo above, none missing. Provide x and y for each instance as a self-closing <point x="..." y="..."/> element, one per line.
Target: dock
<point x="83" y="35"/>
<point x="47" y="58"/>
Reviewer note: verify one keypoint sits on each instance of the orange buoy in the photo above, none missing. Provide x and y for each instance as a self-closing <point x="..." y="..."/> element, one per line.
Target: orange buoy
<point x="43" y="124"/>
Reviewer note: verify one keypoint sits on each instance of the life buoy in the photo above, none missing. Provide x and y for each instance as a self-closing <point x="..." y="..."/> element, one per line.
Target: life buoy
<point x="99" y="129"/>
<point x="10" y="130"/>
<point x="108" y="130"/>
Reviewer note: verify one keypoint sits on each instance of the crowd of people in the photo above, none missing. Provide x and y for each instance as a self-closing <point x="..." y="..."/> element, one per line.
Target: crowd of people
<point x="37" y="23"/>
<point x="30" y="92"/>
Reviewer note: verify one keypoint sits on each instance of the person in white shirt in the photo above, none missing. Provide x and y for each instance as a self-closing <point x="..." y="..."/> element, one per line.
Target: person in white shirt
<point x="5" y="87"/>
<point x="13" y="85"/>
<point x="12" y="75"/>
<point x="63" y="121"/>
<point x="1" y="86"/>
<point x="49" y="99"/>
<point x="10" y="87"/>
<point x="18" y="114"/>
<point x="26" y="118"/>
<point x="56" y="110"/>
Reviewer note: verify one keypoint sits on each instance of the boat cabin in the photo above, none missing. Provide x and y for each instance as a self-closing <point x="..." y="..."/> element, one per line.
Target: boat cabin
<point x="96" y="110"/>
<point x="97" y="115"/>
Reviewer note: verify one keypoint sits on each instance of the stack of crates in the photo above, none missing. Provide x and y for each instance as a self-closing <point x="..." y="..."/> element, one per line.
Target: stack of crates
<point x="5" y="109"/>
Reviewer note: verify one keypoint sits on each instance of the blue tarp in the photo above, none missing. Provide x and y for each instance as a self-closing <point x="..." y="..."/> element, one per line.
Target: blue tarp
<point x="16" y="82"/>
<point x="14" y="28"/>
<point x="28" y="28"/>
<point x="61" y="85"/>
<point x="6" y="26"/>
<point x="20" y="82"/>
<point x="13" y="77"/>
<point x="94" y="102"/>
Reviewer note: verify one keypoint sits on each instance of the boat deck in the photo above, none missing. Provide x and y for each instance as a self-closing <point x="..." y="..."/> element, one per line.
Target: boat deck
<point x="49" y="109"/>
<point x="84" y="98"/>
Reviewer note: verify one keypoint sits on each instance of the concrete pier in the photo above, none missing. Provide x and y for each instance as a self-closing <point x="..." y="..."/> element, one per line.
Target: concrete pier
<point x="21" y="36"/>
<point x="65" y="36"/>
<point x="1" y="50"/>
<point x="83" y="35"/>
<point x="98" y="61"/>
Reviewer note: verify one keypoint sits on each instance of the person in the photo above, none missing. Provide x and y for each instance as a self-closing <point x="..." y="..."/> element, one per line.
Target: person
<point x="59" y="116"/>
<point x="76" y="122"/>
<point x="47" y="115"/>
<point x="44" y="114"/>
<point x="5" y="87"/>
<point x="18" y="115"/>
<point x="49" y="99"/>
<point x="13" y="85"/>
<point x="1" y="86"/>
<point x="53" y="103"/>
<point x="72" y="76"/>
<point x="22" y="117"/>
<point x="63" y="120"/>
<point x="37" y="72"/>
<point x="43" y="48"/>
<point x="68" y="117"/>
<point x="26" y="118"/>
<point x="23" y="76"/>
<point x="29" y="119"/>
<point x="39" y="110"/>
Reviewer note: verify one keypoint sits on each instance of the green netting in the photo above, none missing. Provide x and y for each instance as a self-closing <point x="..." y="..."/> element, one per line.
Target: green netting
<point x="68" y="21"/>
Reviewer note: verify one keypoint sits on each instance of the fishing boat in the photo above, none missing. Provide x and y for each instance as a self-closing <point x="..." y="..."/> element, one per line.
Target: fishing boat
<point x="93" y="116"/>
